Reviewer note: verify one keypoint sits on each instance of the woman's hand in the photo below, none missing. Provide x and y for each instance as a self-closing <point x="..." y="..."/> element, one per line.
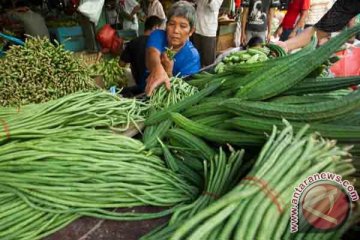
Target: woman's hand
<point x="167" y="63"/>
<point x="157" y="77"/>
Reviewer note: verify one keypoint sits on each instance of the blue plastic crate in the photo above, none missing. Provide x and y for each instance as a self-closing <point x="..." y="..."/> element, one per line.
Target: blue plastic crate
<point x="71" y="37"/>
<point x="74" y="44"/>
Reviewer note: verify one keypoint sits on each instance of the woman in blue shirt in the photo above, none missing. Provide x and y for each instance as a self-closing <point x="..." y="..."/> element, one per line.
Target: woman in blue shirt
<point x="179" y="28"/>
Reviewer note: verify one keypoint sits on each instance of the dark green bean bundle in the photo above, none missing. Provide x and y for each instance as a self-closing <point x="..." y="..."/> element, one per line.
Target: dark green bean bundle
<point x="162" y="98"/>
<point x="221" y="173"/>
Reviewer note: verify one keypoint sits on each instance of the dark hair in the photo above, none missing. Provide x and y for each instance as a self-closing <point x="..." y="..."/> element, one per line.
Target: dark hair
<point x="153" y="21"/>
<point x="256" y="40"/>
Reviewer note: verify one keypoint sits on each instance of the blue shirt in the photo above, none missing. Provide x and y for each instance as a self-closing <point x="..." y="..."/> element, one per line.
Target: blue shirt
<point x="186" y="60"/>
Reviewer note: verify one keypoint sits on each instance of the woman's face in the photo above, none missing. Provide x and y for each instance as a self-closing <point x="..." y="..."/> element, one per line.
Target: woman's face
<point x="178" y="32"/>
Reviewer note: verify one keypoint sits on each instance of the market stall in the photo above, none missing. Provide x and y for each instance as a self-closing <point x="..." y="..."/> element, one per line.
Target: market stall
<point x="227" y="153"/>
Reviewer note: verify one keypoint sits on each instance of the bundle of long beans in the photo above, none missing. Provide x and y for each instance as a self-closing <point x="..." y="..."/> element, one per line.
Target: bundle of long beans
<point x="21" y="222"/>
<point x="97" y="109"/>
<point x="221" y="173"/>
<point x="40" y="71"/>
<point x="162" y="98"/>
<point x="248" y="212"/>
<point x="87" y="172"/>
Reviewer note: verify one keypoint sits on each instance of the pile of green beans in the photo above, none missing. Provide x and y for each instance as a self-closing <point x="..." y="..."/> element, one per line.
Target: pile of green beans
<point x="86" y="172"/>
<point x="113" y="74"/>
<point x="21" y="222"/>
<point x="40" y="71"/>
<point x="247" y="211"/>
<point x="162" y="98"/>
<point x="98" y="109"/>
<point x="221" y="174"/>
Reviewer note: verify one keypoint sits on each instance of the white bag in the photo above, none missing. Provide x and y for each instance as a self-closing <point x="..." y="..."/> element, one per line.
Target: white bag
<point x="237" y="34"/>
<point x="92" y="9"/>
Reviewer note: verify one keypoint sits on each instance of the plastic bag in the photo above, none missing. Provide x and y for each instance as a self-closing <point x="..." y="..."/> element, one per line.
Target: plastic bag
<point x="117" y="45"/>
<point x="349" y="64"/>
<point x="105" y="36"/>
<point x="91" y="9"/>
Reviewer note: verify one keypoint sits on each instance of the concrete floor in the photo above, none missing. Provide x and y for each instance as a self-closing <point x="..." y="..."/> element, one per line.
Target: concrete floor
<point x="87" y="228"/>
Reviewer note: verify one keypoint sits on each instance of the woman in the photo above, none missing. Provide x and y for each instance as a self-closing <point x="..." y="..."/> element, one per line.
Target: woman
<point x="179" y="28"/>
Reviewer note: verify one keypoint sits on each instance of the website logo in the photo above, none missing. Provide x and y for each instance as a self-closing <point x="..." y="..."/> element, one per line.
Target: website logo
<point x="321" y="202"/>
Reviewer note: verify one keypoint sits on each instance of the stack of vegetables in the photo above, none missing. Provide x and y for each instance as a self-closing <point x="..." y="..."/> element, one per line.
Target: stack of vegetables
<point x="258" y="207"/>
<point x="161" y="99"/>
<point x="238" y="106"/>
<point x="40" y="71"/>
<point x="250" y="55"/>
<point x="221" y="174"/>
<point x="210" y="113"/>
<point x="58" y="178"/>
<point x="97" y="109"/>
<point x="111" y="72"/>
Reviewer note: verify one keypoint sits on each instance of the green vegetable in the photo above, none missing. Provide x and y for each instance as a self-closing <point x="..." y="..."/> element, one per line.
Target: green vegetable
<point x="276" y="80"/>
<point x="40" y="71"/>
<point x="303" y="112"/>
<point x="170" y="53"/>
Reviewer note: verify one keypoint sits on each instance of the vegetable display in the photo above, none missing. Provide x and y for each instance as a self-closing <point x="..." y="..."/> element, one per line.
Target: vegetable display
<point x="285" y="160"/>
<point x="97" y="109"/>
<point x="161" y="99"/>
<point x="112" y="73"/>
<point x="86" y="173"/>
<point x="40" y="71"/>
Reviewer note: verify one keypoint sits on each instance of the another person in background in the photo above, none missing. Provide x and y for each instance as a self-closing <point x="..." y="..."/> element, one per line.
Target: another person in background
<point x="134" y="53"/>
<point x="34" y="24"/>
<point x="256" y="19"/>
<point x="294" y="19"/>
<point x="130" y="10"/>
<point x="317" y="10"/>
<point x="186" y="61"/>
<point x="334" y="20"/>
<point x="204" y="39"/>
<point x="155" y="8"/>
<point x="255" y="42"/>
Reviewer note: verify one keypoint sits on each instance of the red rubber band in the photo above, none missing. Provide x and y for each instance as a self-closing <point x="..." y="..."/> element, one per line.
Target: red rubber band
<point x="213" y="195"/>
<point x="6" y="128"/>
<point x="270" y="193"/>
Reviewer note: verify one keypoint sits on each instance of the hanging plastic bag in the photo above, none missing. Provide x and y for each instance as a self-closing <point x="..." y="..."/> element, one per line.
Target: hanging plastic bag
<point x="105" y="36"/>
<point x="91" y="9"/>
<point x="117" y="45"/>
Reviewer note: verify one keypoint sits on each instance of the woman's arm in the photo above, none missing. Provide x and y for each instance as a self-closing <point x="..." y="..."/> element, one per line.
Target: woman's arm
<point x="300" y="24"/>
<point x="157" y="74"/>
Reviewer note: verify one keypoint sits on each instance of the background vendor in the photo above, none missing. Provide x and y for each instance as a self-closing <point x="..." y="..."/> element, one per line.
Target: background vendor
<point x="179" y="28"/>
<point x="34" y="24"/>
